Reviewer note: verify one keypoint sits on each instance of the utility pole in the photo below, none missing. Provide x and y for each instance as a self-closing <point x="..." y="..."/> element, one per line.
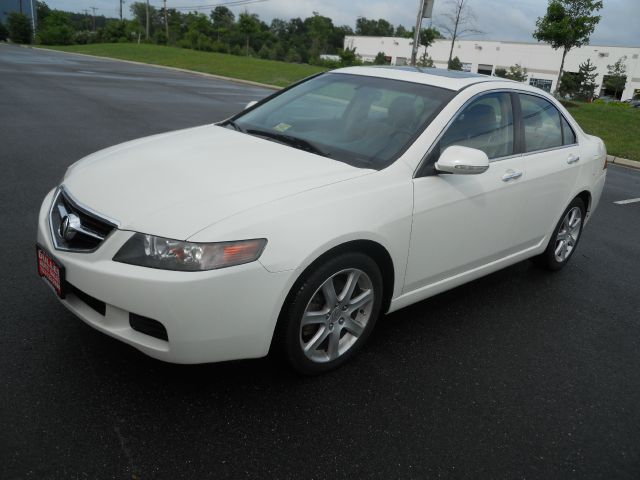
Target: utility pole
<point x="34" y="14"/>
<point x="425" y="11"/>
<point x="166" y="22"/>
<point x="121" y="2"/>
<point x="93" y="9"/>
<point x="416" y="35"/>
<point x="147" y="30"/>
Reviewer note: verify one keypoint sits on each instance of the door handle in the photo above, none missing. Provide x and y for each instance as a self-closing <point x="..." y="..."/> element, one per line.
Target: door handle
<point x="573" y="159"/>
<point x="511" y="175"/>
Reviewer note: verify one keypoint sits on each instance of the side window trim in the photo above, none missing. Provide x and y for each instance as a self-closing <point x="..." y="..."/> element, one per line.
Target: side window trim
<point x="518" y="129"/>
<point x="563" y="121"/>
<point x="561" y="117"/>
<point x="423" y="169"/>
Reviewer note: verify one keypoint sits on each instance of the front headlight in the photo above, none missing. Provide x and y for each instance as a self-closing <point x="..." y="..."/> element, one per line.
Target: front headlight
<point x="166" y="254"/>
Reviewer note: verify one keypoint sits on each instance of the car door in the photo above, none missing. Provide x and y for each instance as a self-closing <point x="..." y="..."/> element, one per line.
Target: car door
<point x="461" y="222"/>
<point x="552" y="158"/>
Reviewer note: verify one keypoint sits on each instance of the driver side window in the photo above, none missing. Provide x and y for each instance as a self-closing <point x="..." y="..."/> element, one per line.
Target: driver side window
<point x="485" y="124"/>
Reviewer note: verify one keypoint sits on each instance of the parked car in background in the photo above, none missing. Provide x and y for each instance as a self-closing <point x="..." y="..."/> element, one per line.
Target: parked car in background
<point x="298" y="222"/>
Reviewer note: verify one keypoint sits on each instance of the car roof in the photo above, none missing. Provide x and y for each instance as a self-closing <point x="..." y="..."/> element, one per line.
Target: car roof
<point x="438" y="77"/>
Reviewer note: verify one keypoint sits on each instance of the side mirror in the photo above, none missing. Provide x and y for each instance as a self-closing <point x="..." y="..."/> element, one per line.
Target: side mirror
<point x="462" y="160"/>
<point x="250" y="104"/>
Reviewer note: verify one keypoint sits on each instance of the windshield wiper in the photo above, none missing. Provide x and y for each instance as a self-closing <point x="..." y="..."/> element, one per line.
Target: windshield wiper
<point x="290" y="140"/>
<point x="235" y="125"/>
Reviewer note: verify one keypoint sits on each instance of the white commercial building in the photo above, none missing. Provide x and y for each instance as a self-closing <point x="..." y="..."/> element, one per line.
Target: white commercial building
<point x="482" y="56"/>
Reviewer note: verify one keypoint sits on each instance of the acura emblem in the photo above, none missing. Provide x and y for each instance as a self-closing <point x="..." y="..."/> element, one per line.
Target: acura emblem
<point x="70" y="226"/>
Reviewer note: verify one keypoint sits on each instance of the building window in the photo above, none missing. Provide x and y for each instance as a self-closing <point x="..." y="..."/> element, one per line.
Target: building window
<point x="466" y="67"/>
<point x="541" y="83"/>
<point x="485" y="69"/>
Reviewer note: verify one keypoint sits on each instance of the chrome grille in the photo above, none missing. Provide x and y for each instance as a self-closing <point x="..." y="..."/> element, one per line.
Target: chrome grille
<point x="74" y="227"/>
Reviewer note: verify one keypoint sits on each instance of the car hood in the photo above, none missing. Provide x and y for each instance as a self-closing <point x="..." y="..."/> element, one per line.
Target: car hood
<point x="174" y="185"/>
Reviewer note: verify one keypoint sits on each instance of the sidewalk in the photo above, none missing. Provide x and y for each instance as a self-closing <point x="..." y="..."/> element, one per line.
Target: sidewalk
<point x="623" y="161"/>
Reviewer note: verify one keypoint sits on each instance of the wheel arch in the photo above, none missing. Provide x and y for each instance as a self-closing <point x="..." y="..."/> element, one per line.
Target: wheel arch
<point x="585" y="196"/>
<point x="375" y="250"/>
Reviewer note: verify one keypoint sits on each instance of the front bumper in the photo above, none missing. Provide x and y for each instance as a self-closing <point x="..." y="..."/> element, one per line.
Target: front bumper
<point x="209" y="316"/>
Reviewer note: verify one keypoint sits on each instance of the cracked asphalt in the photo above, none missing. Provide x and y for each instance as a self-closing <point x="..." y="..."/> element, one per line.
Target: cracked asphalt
<point x="521" y="374"/>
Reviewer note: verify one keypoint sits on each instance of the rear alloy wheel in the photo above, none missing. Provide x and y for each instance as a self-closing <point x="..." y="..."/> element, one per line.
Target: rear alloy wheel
<point x="332" y="313"/>
<point x="565" y="237"/>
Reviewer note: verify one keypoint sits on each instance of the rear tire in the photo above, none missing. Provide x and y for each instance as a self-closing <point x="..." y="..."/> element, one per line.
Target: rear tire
<point x="331" y="314"/>
<point x="565" y="237"/>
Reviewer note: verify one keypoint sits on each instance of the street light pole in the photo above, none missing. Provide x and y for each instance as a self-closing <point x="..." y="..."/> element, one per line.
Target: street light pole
<point x="34" y="14"/>
<point x="416" y="34"/>
<point x="147" y="29"/>
<point x="166" y="22"/>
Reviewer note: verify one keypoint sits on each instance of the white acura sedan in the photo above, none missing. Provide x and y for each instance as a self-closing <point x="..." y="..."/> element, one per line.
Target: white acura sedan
<point x="298" y="222"/>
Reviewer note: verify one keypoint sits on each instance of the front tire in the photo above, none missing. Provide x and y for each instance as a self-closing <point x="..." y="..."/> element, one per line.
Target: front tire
<point x="565" y="237"/>
<point x="332" y="312"/>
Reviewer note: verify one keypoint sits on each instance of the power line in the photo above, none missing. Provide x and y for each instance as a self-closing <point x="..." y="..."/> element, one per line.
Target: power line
<point x="214" y="5"/>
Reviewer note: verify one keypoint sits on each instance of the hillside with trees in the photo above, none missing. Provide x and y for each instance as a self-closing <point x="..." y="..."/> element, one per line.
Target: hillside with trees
<point x="294" y="40"/>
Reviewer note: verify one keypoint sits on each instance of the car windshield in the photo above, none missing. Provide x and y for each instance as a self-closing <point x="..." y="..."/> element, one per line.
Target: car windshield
<point x="364" y="121"/>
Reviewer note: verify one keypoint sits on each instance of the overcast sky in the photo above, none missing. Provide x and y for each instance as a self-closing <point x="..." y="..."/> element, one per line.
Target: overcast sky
<point x="500" y="19"/>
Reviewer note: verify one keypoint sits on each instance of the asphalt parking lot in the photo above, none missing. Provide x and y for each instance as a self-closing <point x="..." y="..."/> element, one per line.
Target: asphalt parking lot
<point x="522" y="374"/>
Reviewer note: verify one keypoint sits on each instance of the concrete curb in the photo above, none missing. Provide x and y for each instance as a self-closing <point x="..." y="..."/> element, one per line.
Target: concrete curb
<point x="623" y="161"/>
<point x="175" y="69"/>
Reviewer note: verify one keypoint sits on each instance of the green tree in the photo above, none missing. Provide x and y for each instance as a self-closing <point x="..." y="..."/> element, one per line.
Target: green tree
<point x="425" y="60"/>
<point x="319" y="28"/>
<point x="348" y="57"/>
<point x="223" y="20"/>
<point x="56" y="29"/>
<point x="569" y="84"/>
<point x="380" y="59"/>
<point x="373" y="28"/>
<point x="616" y="76"/>
<point x="249" y="25"/>
<point x="427" y="35"/>
<point x="517" y="73"/>
<point x="455" y="64"/>
<point x="566" y="25"/>
<point x="587" y="81"/>
<point x="139" y="12"/>
<point x="4" y="33"/>
<point x="403" y="32"/>
<point x="42" y="11"/>
<point x="500" y="72"/>
<point x="19" y="26"/>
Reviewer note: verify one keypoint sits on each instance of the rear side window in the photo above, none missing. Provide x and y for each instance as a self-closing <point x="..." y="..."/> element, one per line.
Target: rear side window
<point x="541" y="124"/>
<point x="568" y="135"/>
<point x="485" y="124"/>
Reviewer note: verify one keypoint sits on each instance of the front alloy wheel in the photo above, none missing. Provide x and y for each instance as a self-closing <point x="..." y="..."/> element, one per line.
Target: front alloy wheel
<point x="331" y="312"/>
<point x="336" y="316"/>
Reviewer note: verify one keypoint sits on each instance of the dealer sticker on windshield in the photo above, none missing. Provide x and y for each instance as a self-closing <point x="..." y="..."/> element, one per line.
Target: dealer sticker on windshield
<point x="282" y="127"/>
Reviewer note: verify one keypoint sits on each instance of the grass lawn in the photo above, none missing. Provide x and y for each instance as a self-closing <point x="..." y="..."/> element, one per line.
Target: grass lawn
<point x="246" y="68"/>
<point x="619" y="127"/>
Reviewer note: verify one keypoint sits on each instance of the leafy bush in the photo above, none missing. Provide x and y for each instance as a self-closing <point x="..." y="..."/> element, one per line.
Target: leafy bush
<point x="380" y="59"/>
<point x="4" y="33"/>
<point x="85" y="37"/>
<point x="20" y="30"/>
<point x="56" y="29"/>
<point x="455" y="64"/>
